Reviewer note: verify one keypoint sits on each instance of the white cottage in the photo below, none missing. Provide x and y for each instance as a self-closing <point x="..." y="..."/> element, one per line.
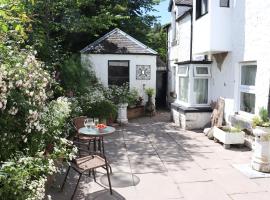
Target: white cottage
<point x="117" y="58"/>
<point x="218" y="48"/>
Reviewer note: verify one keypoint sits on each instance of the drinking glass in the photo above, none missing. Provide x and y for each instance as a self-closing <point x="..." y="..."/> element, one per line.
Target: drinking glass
<point x="89" y="123"/>
<point x="96" y="121"/>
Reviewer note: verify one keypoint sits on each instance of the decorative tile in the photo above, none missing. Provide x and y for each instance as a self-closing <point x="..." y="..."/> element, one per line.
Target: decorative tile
<point x="143" y="72"/>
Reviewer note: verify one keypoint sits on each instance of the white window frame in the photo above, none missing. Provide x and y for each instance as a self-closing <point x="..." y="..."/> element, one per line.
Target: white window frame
<point x="201" y="75"/>
<point x="183" y="74"/>
<point x="192" y="76"/>
<point x="246" y="89"/>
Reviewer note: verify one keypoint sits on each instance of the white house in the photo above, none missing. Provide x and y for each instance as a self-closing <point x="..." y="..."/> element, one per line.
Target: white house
<point x="218" y="48"/>
<point x="118" y="58"/>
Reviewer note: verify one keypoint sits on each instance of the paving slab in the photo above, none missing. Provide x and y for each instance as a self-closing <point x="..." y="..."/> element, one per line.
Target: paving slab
<point x="233" y="182"/>
<point x="171" y="163"/>
<point x="203" y="191"/>
<point x="252" y="196"/>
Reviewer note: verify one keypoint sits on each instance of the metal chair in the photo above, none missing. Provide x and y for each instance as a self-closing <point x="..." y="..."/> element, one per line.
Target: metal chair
<point x="88" y="163"/>
<point x="78" y="122"/>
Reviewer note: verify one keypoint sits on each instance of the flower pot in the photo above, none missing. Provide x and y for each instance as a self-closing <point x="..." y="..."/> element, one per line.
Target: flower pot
<point x="150" y="106"/>
<point x="261" y="153"/>
<point x="228" y="138"/>
<point x="122" y="113"/>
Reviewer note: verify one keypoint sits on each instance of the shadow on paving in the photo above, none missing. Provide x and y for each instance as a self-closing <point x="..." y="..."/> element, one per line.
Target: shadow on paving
<point x="146" y="146"/>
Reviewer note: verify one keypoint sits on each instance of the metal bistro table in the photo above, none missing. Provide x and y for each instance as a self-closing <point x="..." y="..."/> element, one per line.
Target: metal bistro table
<point x="98" y="134"/>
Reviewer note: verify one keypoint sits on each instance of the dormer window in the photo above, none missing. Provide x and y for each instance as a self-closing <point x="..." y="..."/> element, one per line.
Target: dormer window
<point x="201" y="8"/>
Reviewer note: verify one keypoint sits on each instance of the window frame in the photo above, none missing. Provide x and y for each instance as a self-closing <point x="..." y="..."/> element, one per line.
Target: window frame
<point x="186" y="73"/>
<point x="198" y="12"/>
<point x="201" y="75"/>
<point x="250" y="89"/>
<point x="128" y="66"/>
<point x="222" y="6"/>
<point x="191" y="101"/>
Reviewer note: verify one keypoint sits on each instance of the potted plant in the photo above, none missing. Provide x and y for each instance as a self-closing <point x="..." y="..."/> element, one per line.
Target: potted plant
<point x="120" y="96"/>
<point x="229" y="135"/>
<point x="262" y="121"/>
<point x="150" y="106"/>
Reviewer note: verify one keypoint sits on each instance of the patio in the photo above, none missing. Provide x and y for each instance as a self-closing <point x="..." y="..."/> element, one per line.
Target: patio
<point x="161" y="162"/>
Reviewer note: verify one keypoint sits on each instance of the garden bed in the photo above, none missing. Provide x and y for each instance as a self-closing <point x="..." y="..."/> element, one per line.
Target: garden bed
<point x="136" y="112"/>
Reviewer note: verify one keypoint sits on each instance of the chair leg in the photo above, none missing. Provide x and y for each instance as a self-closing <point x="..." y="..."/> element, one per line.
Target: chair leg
<point x="109" y="180"/>
<point x="65" y="179"/>
<point x="76" y="186"/>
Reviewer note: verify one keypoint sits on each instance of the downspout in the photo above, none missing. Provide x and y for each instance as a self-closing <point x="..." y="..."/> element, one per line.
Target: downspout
<point x="191" y="34"/>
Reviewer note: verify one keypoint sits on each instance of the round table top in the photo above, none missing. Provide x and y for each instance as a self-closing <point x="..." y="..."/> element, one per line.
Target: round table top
<point x="96" y="132"/>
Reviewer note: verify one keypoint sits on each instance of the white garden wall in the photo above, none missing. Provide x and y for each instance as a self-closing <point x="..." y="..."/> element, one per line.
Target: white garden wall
<point x="99" y="63"/>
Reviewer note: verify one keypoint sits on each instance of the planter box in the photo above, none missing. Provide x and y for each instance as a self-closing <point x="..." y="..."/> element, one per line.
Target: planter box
<point x="228" y="138"/>
<point x="135" y="112"/>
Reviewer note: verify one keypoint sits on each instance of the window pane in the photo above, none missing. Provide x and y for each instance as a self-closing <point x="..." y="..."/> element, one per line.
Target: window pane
<point x="247" y="102"/>
<point x="118" y="72"/>
<point x="183" y="89"/>
<point x="182" y="70"/>
<point x="201" y="91"/>
<point x="204" y="6"/>
<point x="202" y="70"/>
<point x="248" y="75"/>
<point x="224" y="3"/>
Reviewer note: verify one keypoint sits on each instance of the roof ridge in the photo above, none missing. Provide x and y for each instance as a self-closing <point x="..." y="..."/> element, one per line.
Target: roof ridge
<point x="93" y="44"/>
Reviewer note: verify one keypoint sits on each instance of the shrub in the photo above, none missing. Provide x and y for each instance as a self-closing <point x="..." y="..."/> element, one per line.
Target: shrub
<point x="264" y="114"/>
<point x="118" y="94"/>
<point x="133" y="97"/>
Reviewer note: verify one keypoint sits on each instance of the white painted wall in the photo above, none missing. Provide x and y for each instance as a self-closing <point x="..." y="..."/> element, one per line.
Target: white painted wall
<point x="212" y="32"/>
<point x="250" y="42"/>
<point x="244" y="31"/>
<point x="181" y="51"/>
<point x="99" y="63"/>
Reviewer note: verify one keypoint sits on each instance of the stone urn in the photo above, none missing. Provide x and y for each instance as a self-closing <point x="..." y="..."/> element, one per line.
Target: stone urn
<point x="122" y="113"/>
<point x="150" y="106"/>
<point x="261" y="154"/>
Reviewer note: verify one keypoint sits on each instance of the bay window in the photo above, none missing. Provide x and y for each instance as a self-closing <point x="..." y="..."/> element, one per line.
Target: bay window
<point x="193" y="84"/>
<point x="247" y="87"/>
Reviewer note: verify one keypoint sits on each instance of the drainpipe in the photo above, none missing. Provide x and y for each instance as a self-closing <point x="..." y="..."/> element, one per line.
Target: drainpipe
<point x="191" y="34"/>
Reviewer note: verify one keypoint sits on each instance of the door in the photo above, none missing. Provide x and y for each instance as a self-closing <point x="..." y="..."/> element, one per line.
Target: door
<point x="161" y="87"/>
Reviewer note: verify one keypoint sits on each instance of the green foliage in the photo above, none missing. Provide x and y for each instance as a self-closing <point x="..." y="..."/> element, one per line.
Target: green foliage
<point x="119" y="94"/>
<point x="157" y="40"/>
<point x="25" y="178"/>
<point x="102" y="110"/>
<point x="264" y="114"/>
<point x="75" y="78"/>
<point x="262" y="119"/>
<point x="232" y="129"/>
<point x="150" y="91"/>
<point x="133" y="97"/>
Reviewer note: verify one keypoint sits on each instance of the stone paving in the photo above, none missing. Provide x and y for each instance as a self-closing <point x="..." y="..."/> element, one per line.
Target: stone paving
<point x="169" y="163"/>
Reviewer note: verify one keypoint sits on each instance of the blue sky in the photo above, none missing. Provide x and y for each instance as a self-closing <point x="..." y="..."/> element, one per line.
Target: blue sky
<point x="162" y="11"/>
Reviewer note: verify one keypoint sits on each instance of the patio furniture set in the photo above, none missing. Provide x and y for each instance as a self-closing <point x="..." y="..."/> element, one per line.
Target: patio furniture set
<point x="90" y="143"/>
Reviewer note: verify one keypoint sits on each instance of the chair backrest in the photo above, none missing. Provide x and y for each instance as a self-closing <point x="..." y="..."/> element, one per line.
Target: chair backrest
<point x="78" y="122"/>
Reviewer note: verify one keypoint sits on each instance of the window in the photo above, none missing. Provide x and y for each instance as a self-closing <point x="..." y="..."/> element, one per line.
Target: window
<point x="118" y="72"/>
<point x="201" y="91"/>
<point x="183" y="71"/>
<point x="201" y="71"/>
<point x="201" y="8"/>
<point x="247" y="87"/>
<point x="193" y="83"/>
<point x="224" y="3"/>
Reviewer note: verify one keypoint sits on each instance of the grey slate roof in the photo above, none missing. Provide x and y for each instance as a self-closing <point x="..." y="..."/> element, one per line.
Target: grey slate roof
<point x="180" y="3"/>
<point x="117" y="42"/>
